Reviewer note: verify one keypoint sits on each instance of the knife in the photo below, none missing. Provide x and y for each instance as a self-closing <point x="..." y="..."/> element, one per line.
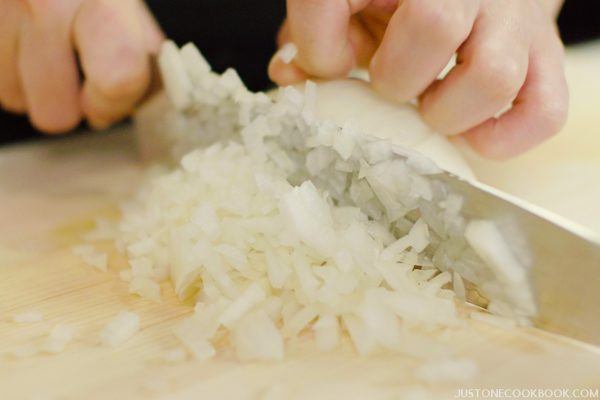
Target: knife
<point x="564" y="270"/>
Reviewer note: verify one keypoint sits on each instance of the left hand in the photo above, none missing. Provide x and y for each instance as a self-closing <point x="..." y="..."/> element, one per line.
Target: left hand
<point x="508" y="52"/>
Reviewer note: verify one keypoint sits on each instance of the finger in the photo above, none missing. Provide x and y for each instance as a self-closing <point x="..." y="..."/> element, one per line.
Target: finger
<point x="109" y="35"/>
<point x="11" y="94"/>
<point x="420" y="39"/>
<point x="153" y="35"/>
<point x="283" y="73"/>
<point x="491" y="69"/>
<point x="320" y="31"/>
<point x="154" y="38"/>
<point x="283" y="36"/>
<point x="287" y="73"/>
<point x="48" y="67"/>
<point x="539" y="111"/>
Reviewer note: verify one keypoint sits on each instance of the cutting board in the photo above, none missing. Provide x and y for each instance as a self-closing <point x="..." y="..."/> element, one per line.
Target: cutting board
<point x="50" y="193"/>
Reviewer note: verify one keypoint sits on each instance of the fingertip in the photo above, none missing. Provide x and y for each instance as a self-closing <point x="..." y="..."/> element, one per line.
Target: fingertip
<point x="53" y="122"/>
<point x="153" y="34"/>
<point x="484" y="139"/>
<point x="320" y="29"/>
<point x="98" y="114"/>
<point x="101" y="112"/>
<point x="328" y="67"/>
<point x="14" y="104"/>
<point x="284" y="74"/>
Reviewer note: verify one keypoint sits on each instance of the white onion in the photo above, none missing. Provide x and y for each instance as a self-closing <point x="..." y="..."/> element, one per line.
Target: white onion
<point x="256" y="337"/>
<point x="327" y="332"/>
<point x="92" y="257"/>
<point x="253" y="295"/>
<point x="120" y="329"/>
<point x="145" y="287"/>
<point x="282" y="223"/>
<point x="58" y="338"/>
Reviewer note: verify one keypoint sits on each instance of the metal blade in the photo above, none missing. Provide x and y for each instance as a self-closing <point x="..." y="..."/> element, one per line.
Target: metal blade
<point x="565" y="270"/>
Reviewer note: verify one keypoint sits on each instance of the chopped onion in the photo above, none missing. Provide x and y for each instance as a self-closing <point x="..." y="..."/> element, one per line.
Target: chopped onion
<point x="280" y="223"/>
<point x="58" y="338"/>
<point x="256" y="337"/>
<point x="253" y="295"/>
<point x="91" y="256"/>
<point x="120" y="329"/>
<point x="145" y="287"/>
<point x="327" y="332"/>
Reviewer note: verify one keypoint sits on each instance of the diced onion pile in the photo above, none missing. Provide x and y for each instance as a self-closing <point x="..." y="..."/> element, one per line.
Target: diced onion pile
<point x="120" y="329"/>
<point x="58" y="338"/>
<point x="287" y="225"/>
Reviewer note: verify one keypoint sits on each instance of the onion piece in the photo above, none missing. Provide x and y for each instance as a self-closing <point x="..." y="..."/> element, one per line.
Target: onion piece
<point x="120" y="329"/>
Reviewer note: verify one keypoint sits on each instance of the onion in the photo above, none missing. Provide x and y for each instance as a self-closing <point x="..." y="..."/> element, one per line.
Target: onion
<point x="58" y="338"/>
<point x="256" y="337"/>
<point x="327" y="332"/>
<point x="92" y="257"/>
<point x="120" y="329"/>
<point x="279" y="222"/>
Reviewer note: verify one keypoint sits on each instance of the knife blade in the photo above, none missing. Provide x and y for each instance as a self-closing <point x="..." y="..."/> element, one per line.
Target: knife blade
<point x="564" y="271"/>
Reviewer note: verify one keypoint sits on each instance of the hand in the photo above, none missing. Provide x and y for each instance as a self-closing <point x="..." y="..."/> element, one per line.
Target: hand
<point x="508" y="52"/>
<point x="40" y="43"/>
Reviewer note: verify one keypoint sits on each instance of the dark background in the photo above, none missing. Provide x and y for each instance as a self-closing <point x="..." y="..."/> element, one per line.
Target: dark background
<point x="241" y="34"/>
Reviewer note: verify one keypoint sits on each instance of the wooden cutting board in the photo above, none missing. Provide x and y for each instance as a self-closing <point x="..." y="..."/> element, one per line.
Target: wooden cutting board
<point x="49" y="195"/>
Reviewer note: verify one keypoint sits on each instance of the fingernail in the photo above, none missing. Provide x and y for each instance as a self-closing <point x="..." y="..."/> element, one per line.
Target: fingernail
<point x="287" y="52"/>
<point x="284" y="74"/>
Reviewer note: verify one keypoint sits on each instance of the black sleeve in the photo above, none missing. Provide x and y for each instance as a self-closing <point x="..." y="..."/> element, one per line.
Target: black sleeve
<point x="230" y="33"/>
<point x="579" y="21"/>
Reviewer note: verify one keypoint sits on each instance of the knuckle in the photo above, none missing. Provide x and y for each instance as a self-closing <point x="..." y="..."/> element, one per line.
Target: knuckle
<point x="500" y="77"/>
<point x="555" y="113"/>
<point x="448" y="27"/>
<point x="128" y="80"/>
